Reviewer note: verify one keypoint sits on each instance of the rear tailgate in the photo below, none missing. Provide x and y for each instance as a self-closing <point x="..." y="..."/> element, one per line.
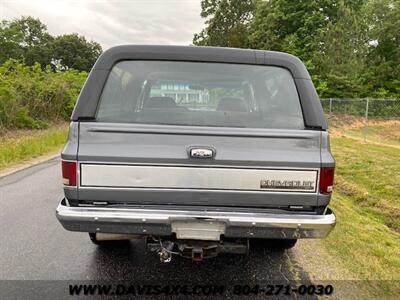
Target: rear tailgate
<point x="151" y="164"/>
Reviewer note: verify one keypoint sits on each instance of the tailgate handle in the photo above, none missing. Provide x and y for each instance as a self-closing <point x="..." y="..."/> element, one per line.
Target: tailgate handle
<point x="201" y="152"/>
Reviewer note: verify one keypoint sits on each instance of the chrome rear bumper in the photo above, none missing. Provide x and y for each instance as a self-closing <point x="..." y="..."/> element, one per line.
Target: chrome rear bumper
<point x="159" y="222"/>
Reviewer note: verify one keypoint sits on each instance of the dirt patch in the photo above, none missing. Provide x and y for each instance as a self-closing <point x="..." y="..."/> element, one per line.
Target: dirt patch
<point x="360" y="140"/>
<point x="394" y="211"/>
<point x="345" y="120"/>
<point x="386" y="123"/>
<point x="391" y="133"/>
<point x="349" y="122"/>
<point x="345" y="187"/>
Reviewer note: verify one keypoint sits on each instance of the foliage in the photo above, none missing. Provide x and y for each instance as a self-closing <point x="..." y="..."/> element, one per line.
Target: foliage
<point x="227" y="23"/>
<point x="27" y="39"/>
<point x="384" y="54"/>
<point x="31" y="97"/>
<point x="351" y="48"/>
<point x="73" y="51"/>
<point x="291" y="26"/>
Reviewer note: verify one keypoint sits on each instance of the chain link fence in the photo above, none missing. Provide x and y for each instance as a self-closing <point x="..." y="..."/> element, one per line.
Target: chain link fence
<point x="363" y="118"/>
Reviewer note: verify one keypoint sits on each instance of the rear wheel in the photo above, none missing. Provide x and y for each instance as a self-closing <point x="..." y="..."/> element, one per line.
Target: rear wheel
<point x="274" y="244"/>
<point x="284" y="244"/>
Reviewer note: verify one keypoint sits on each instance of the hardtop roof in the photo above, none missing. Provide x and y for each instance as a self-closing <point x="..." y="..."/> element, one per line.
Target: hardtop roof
<point x="89" y="97"/>
<point x="201" y="54"/>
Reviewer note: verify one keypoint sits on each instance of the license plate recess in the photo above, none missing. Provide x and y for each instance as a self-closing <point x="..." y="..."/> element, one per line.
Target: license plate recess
<point x="209" y="230"/>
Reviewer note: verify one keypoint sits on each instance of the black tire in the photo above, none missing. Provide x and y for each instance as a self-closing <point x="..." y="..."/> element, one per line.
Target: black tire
<point x="284" y="244"/>
<point x="273" y="244"/>
<point x="94" y="240"/>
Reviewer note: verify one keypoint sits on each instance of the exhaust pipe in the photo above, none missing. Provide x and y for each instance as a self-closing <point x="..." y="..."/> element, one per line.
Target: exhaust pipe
<point x="117" y="237"/>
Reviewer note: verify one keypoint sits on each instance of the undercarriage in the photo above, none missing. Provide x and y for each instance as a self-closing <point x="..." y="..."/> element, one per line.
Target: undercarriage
<point x="195" y="249"/>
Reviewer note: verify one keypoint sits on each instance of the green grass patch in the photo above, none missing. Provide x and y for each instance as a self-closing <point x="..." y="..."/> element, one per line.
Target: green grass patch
<point x="365" y="246"/>
<point x="366" y="201"/>
<point x="369" y="174"/>
<point x="18" y="146"/>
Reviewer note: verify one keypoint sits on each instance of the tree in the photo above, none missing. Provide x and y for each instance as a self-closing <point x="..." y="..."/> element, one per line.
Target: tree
<point x="34" y="40"/>
<point x="330" y="36"/>
<point x="383" y="74"/>
<point x="74" y="51"/>
<point x="227" y="23"/>
<point x="9" y="42"/>
<point x="27" y="39"/>
<point x="292" y="26"/>
<point x="341" y="54"/>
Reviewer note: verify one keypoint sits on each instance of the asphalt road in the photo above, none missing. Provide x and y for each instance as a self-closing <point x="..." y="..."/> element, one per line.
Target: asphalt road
<point x="34" y="245"/>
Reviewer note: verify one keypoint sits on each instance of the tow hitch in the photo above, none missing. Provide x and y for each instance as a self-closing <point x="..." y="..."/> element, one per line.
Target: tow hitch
<point x="197" y="254"/>
<point x="194" y="249"/>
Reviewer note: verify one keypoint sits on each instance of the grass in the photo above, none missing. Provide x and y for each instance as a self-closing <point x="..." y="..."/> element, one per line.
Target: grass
<point x="383" y="134"/>
<point x="19" y="146"/>
<point x="369" y="174"/>
<point x="367" y="203"/>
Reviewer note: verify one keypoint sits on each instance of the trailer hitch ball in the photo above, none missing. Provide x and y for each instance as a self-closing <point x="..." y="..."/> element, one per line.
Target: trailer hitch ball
<point x="165" y="252"/>
<point x="165" y="256"/>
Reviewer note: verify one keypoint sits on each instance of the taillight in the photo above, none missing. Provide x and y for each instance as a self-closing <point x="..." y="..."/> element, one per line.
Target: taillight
<point x="326" y="180"/>
<point x="69" y="172"/>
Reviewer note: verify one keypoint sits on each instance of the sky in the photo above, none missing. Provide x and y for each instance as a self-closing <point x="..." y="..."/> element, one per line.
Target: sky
<point x="114" y="22"/>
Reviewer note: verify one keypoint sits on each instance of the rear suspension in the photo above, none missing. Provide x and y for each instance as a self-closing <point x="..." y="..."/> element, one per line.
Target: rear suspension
<point x="195" y="250"/>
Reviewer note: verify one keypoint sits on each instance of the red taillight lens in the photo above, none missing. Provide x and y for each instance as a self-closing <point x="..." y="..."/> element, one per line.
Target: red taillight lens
<point x="326" y="180"/>
<point x="69" y="172"/>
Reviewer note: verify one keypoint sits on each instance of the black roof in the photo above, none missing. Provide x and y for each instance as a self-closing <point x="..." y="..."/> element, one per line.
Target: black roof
<point x="202" y="54"/>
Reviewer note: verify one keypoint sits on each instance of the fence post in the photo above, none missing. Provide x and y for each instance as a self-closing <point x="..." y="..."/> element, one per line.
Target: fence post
<point x="366" y="121"/>
<point x="330" y="107"/>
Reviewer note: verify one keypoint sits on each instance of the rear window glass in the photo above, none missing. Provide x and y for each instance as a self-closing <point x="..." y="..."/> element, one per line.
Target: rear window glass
<point x="200" y="94"/>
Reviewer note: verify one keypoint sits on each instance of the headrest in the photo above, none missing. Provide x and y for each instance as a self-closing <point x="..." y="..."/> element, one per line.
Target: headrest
<point x="232" y="104"/>
<point x="160" y="102"/>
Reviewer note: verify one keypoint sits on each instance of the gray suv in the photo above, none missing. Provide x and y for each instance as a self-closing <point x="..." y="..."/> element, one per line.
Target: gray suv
<point x="198" y="151"/>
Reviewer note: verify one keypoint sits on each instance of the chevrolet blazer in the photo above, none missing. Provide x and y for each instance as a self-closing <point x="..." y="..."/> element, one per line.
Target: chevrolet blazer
<point x="198" y="151"/>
